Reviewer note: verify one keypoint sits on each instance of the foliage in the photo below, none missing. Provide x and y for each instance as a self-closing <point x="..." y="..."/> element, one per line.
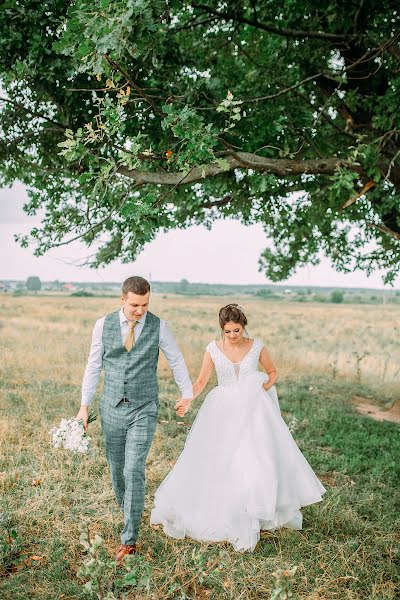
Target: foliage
<point x="82" y="294"/>
<point x="10" y="543"/>
<point x="124" y="118"/>
<point x="19" y="292"/>
<point x="100" y="570"/>
<point x="33" y="284"/>
<point x="337" y="296"/>
<point x="282" y="589"/>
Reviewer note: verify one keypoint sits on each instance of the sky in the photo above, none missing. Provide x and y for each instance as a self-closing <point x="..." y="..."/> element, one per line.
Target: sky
<point x="228" y="253"/>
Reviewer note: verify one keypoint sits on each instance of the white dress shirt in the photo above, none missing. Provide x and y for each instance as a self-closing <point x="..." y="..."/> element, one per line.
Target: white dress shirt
<point x="166" y="343"/>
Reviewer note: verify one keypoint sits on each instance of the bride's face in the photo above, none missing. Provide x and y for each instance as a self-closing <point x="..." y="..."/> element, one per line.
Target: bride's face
<point x="233" y="332"/>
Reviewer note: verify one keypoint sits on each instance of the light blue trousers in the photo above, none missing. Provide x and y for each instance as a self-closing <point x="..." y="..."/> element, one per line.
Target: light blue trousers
<point x="128" y="432"/>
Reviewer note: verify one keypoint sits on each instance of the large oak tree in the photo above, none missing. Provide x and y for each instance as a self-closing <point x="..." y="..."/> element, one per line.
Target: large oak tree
<point x="124" y="118"/>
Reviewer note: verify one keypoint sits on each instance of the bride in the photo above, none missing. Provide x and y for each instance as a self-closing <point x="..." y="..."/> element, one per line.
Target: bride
<point x="240" y="470"/>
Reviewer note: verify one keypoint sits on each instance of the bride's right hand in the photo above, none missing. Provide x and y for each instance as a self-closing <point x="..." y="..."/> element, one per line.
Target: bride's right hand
<point x="182" y="406"/>
<point x="83" y="416"/>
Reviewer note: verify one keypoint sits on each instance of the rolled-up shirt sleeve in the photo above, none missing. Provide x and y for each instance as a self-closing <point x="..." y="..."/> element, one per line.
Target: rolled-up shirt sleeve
<point x="175" y="359"/>
<point x="94" y="364"/>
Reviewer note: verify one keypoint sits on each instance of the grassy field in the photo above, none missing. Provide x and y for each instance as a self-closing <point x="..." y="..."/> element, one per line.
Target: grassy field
<point x="349" y="547"/>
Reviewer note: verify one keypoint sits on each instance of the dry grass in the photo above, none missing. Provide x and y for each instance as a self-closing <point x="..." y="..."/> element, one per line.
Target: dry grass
<point x="357" y="342"/>
<point x="324" y="353"/>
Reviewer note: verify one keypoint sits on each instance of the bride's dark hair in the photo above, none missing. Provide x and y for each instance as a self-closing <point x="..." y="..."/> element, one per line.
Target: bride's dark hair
<point x="232" y="312"/>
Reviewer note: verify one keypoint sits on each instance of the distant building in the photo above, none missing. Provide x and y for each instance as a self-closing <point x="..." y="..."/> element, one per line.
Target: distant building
<point x="53" y="286"/>
<point x="69" y="287"/>
<point x="5" y="287"/>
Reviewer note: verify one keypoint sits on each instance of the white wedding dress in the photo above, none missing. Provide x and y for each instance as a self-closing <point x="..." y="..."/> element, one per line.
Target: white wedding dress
<point x="240" y="470"/>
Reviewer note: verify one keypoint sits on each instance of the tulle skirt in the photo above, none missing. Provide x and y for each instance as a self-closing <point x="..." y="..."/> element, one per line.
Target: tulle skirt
<point x="239" y="472"/>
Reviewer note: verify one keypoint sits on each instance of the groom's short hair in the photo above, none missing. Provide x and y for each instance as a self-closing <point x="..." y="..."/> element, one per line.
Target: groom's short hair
<point x="136" y="285"/>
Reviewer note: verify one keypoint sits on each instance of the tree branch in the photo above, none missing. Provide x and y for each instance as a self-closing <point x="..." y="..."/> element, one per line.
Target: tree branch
<point x="29" y="111"/>
<point x="221" y="202"/>
<point x="280" y="167"/>
<point x="284" y="90"/>
<point x="359" y="15"/>
<point x="369" y="185"/>
<point x="328" y="119"/>
<point x="394" y="52"/>
<point x="193" y="23"/>
<point x="385" y="229"/>
<point x="321" y="35"/>
<point x="94" y="226"/>
<point x="117" y="67"/>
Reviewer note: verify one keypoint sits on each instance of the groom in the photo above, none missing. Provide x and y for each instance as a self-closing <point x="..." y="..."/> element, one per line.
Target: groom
<point x="125" y="344"/>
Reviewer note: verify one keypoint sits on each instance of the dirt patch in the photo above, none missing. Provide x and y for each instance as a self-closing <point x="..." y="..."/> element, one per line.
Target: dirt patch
<point x="335" y="479"/>
<point x="365" y="406"/>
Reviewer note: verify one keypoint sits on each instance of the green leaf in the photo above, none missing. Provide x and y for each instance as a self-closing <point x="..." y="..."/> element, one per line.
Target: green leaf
<point x="223" y="164"/>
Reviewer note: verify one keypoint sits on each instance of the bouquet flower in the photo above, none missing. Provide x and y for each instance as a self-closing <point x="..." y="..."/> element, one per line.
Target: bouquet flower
<point x="71" y="435"/>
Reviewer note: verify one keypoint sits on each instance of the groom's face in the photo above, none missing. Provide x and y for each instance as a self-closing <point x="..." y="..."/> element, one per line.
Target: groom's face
<point x="135" y="306"/>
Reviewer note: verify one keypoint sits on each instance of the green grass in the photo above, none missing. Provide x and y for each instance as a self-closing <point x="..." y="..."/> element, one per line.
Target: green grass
<point x="348" y="548"/>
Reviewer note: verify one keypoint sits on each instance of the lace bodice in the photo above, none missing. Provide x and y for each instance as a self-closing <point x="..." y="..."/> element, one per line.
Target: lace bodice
<point x="229" y="373"/>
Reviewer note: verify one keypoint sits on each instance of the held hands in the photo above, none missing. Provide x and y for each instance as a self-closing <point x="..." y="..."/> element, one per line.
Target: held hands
<point x="182" y="406"/>
<point x="83" y="416"/>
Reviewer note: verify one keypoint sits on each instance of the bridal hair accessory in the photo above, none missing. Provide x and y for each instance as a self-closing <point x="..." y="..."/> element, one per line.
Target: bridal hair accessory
<point x="233" y="305"/>
<point x="71" y="435"/>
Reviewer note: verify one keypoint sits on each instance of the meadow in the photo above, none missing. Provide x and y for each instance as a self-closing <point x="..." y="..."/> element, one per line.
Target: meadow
<point x="349" y="548"/>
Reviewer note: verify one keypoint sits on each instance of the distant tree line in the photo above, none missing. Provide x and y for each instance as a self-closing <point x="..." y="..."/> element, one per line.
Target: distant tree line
<point x="33" y="284"/>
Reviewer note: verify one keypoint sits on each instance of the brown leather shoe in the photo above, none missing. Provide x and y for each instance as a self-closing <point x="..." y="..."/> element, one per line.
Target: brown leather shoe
<point x="123" y="550"/>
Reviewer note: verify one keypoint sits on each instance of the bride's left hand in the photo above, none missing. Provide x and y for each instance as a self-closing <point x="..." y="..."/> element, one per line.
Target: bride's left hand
<point x="182" y="406"/>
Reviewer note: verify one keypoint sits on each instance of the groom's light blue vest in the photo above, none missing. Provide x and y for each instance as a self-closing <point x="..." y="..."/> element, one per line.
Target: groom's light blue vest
<point x="132" y="374"/>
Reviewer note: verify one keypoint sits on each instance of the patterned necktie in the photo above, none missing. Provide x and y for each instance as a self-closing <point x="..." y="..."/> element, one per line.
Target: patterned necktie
<point x="130" y="336"/>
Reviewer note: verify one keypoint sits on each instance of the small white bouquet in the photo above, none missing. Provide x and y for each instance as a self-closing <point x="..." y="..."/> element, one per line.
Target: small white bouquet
<point x="71" y="435"/>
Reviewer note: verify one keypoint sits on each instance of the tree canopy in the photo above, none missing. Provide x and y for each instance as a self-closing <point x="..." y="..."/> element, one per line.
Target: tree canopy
<point x="127" y="117"/>
<point x="33" y="284"/>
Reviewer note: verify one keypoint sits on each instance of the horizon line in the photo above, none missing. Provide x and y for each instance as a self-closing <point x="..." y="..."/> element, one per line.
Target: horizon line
<point x="282" y="285"/>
